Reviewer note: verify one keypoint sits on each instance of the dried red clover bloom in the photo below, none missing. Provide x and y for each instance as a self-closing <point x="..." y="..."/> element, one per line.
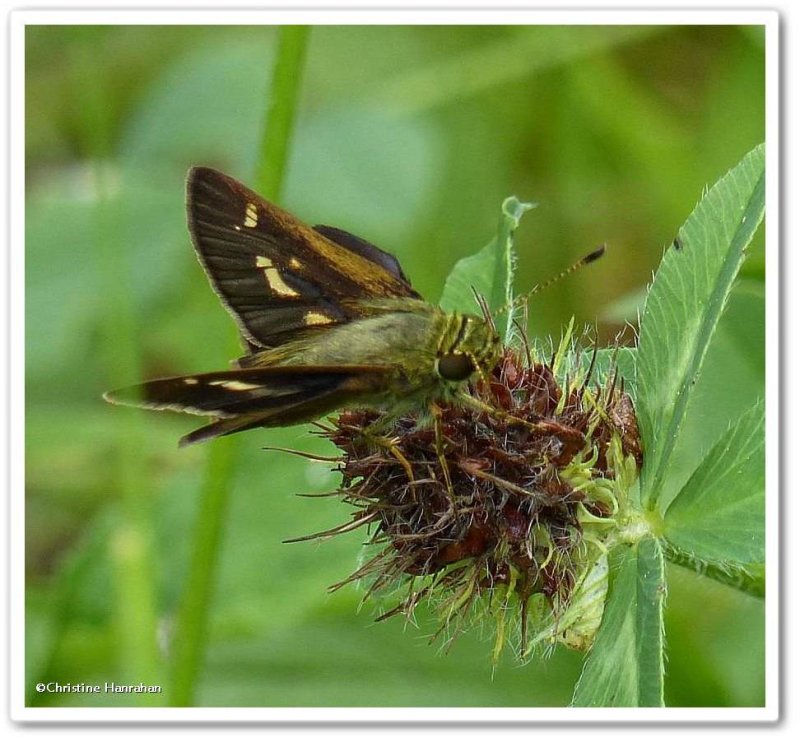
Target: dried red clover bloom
<point x="528" y="517"/>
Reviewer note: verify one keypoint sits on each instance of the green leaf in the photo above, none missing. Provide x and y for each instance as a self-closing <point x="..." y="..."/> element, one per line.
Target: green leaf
<point x="626" y="664"/>
<point x="490" y="271"/>
<point x="731" y="382"/>
<point x="719" y="513"/>
<point x="684" y="306"/>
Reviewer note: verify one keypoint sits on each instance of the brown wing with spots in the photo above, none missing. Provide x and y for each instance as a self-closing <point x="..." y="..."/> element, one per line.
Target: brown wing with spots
<point x="276" y="275"/>
<point x="257" y="397"/>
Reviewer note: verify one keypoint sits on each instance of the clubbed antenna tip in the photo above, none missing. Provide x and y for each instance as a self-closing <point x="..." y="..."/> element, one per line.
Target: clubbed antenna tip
<point x="594" y="255"/>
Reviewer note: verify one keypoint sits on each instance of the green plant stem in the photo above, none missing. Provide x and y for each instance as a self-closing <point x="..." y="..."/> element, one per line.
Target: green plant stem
<point x="192" y="618"/>
<point x="281" y="108"/>
<point x="191" y="627"/>
<point x="747" y="578"/>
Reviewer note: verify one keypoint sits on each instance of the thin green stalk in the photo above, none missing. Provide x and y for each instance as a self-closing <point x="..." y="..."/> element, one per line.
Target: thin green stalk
<point x="193" y="612"/>
<point x="192" y="619"/>
<point x="131" y="539"/>
<point x="282" y="104"/>
<point x="747" y="578"/>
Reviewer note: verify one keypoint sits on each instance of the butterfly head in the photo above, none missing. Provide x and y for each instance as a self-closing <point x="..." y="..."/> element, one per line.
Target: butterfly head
<point x="474" y="349"/>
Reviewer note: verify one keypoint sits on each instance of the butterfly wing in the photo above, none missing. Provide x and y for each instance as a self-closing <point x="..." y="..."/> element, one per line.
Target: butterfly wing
<point x="276" y="275"/>
<point x="366" y="250"/>
<point x="246" y="398"/>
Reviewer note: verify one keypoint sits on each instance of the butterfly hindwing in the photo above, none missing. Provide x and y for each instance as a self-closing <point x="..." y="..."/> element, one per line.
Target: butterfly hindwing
<point x="256" y="397"/>
<point x="365" y="250"/>
<point x="276" y="275"/>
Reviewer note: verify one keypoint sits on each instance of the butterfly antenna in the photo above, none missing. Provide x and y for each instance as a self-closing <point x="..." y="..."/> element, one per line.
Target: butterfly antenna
<point x="585" y="260"/>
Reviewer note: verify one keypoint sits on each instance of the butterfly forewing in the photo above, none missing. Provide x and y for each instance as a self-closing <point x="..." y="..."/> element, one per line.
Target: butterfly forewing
<point x="276" y="275"/>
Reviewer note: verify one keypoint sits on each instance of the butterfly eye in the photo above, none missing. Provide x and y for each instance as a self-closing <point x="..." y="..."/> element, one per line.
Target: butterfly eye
<point x="455" y="367"/>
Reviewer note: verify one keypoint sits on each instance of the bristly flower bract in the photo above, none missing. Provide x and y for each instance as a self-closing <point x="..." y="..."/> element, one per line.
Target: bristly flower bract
<point x="517" y="532"/>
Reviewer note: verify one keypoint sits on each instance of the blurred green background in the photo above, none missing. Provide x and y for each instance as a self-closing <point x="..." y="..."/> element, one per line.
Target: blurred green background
<point x="411" y="137"/>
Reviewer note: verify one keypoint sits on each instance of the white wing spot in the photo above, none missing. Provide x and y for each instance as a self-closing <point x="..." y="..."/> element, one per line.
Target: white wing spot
<point x="250" y="215"/>
<point x="190" y="381"/>
<point x="274" y="280"/>
<point x="317" y="318"/>
<point x="234" y="386"/>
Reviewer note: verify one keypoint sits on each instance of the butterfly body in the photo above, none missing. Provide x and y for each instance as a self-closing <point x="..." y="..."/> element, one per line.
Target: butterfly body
<point x="328" y="321"/>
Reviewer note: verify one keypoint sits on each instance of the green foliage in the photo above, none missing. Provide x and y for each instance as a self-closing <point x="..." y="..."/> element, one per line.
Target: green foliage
<point x="489" y="272"/>
<point x="386" y="149"/>
<point x="684" y="307"/>
<point x="719" y="514"/>
<point x="716" y="522"/>
<point x="626" y="668"/>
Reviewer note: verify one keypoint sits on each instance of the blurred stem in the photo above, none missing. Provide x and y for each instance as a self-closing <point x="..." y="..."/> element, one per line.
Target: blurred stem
<point x="191" y="624"/>
<point x="131" y="540"/>
<point x="191" y="627"/>
<point x="282" y="104"/>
